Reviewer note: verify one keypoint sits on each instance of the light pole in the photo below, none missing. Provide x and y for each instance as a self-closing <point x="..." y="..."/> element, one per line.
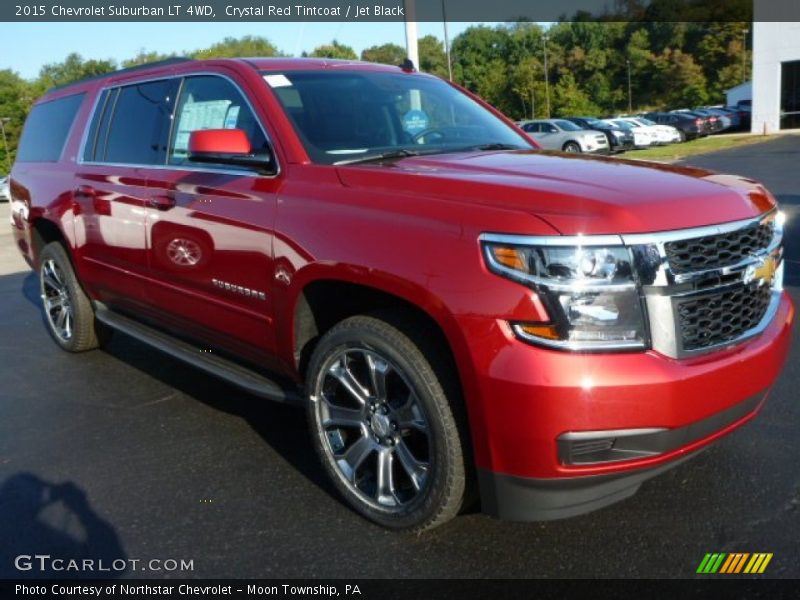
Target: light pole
<point x="630" y="98"/>
<point x="546" y="82"/>
<point x="3" y="121"/>
<point x="744" y="54"/>
<point x="447" y="43"/>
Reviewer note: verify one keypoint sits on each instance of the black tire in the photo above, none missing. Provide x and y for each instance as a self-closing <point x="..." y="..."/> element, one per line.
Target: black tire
<point x="572" y="148"/>
<point x="419" y="378"/>
<point x="68" y="312"/>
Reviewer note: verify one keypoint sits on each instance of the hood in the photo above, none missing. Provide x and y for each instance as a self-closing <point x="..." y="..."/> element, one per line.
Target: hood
<point x="573" y="193"/>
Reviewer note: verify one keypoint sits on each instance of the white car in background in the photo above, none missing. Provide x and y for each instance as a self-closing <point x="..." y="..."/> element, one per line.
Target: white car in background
<point x="642" y="138"/>
<point x="565" y="136"/>
<point x="665" y="134"/>
<point x="5" y="191"/>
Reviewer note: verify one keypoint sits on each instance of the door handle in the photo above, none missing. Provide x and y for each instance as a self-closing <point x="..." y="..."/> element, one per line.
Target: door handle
<point x="162" y="201"/>
<point x="85" y="190"/>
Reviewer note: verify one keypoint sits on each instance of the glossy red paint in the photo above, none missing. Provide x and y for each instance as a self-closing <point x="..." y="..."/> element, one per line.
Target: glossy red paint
<point x="219" y="141"/>
<point x="409" y="229"/>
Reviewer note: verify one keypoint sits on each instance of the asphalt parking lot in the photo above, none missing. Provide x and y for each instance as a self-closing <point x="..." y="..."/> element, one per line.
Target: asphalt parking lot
<point x="124" y="453"/>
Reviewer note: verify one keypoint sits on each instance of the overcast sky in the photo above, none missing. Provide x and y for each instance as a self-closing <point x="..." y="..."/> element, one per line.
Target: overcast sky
<point x="25" y="47"/>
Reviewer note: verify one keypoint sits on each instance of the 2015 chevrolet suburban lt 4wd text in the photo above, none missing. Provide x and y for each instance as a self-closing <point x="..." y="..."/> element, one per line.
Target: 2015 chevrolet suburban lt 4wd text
<point x="462" y="314"/>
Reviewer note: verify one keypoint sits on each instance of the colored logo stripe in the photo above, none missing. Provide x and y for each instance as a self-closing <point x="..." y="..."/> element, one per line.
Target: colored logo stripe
<point x="734" y="563"/>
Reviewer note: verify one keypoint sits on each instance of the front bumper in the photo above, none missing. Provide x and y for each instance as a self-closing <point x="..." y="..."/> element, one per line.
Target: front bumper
<point x="532" y="399"/>
<point x="546" y="499"/>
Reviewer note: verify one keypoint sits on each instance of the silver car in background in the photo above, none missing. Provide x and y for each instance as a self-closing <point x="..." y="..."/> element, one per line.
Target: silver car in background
<point x="563" y="135"/>
<point x="5" y="191"/>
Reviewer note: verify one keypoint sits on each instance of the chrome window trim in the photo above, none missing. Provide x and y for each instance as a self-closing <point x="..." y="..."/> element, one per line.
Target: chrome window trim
<point x="167" y="166"/>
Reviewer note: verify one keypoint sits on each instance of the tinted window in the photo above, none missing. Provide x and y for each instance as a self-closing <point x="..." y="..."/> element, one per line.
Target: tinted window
<point x="348" y="116"/>
<point x="140" y="124"/>
<point x="102" y="109"/>
<point x="47" y="128"/>
<point x="567" y="125"/>
<point x="209" y="102"/>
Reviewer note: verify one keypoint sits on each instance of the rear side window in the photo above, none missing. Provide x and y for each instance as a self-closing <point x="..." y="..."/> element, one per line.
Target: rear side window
<point x="138" y="124"/>
<point x="47" y="128"/>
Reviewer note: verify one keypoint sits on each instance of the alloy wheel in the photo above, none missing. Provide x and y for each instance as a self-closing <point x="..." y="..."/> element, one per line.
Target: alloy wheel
<point x="374" y="428"/>
<point x="57" y="300"/>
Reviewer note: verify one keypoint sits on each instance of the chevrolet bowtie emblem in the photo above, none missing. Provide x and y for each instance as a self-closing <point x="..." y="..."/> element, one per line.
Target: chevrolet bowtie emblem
<point x="762" y="271"/>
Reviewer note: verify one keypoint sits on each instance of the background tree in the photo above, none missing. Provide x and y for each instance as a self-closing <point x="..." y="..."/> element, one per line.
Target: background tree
<point x="335" y="50"/>
<point x="432" y="57"/>
<point x="387" y="54"/>
<point x="16" y="97"/>
<point x="231" y="47"/>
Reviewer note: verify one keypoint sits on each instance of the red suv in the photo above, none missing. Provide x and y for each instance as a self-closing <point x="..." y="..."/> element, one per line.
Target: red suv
<point x="460" y="312"/>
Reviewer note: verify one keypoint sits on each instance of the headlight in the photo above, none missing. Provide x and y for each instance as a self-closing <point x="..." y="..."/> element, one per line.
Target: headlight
<point x="589" y="291"/>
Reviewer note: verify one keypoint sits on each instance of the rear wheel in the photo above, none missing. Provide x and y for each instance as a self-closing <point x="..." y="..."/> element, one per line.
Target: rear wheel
<point x="68" y="312"/>
<point x="571" y="147"/>
<point x="383" y="425"/>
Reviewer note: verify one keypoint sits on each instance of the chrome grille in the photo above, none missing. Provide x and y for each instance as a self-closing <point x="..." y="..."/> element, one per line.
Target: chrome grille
<point x="709" y="287"/>
<point x="722" y="316"/>
<point x="720" y="250"/>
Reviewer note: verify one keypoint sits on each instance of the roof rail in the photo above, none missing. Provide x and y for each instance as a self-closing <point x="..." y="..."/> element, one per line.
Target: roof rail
<point x="158" y="63"/>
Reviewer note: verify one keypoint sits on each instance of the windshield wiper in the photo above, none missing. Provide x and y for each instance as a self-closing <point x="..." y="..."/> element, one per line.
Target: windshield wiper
<point x="399" y="153"/>
<point x="490" y="146"/>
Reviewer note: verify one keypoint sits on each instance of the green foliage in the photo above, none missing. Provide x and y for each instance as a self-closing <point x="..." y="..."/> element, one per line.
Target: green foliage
<point x="672" y="64"/>
<point x="432" y="57"/>
<point x="231" y="47"/>
<point x="335" y="50"/>
<point x="387" y="54"/>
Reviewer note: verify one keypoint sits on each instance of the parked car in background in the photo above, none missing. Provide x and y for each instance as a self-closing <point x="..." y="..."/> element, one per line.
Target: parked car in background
<point x="619" y="139"/>
<point x="566" y="136"/>
<point x="690" y="126"/>
<point x="723" y="122"/>
<point x="710" y="122"/>
<point x="664" y="134"/>
<point x="5" y="191"/>
<point x="743" y="111"/>
<point x="641" y="138"/>
<point x="724" y="113"/>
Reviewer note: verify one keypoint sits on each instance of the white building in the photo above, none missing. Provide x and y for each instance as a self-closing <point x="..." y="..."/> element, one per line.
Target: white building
<point x="776" y="76"/>
<point x="743" y="91"/>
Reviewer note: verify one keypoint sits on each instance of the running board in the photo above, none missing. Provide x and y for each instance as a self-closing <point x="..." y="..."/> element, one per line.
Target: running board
<point x="236" y="374"/>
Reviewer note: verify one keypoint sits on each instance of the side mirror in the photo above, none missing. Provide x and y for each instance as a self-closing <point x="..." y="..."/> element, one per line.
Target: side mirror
<point x="226" y="147"/>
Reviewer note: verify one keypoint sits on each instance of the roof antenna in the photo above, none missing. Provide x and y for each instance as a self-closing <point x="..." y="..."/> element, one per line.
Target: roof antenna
<point x="408" y="65"/>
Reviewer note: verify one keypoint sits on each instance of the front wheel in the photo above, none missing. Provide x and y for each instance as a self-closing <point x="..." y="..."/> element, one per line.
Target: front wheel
<point x="572" y="147"/>
<point x="383" y="425"/>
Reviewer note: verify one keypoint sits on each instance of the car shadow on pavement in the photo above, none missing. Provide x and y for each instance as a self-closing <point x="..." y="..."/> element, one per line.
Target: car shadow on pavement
<point x="42" y="523"/>
<point x="282" y="427"/>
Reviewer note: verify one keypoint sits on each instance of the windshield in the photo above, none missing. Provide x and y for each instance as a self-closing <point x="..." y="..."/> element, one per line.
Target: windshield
<point x="352" y="116"/>
<point x="644" y="121"/>
<point x="567" y="125"/>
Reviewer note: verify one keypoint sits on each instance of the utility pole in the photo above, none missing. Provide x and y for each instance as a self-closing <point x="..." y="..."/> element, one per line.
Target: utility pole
<point x="447" y="43"/>
<point x="3" y="121"/>
<point x="744" y="54"/>
<point x="630" y="98"/>
<point x="546" y="79"/>
<point x="412" y="47"/>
